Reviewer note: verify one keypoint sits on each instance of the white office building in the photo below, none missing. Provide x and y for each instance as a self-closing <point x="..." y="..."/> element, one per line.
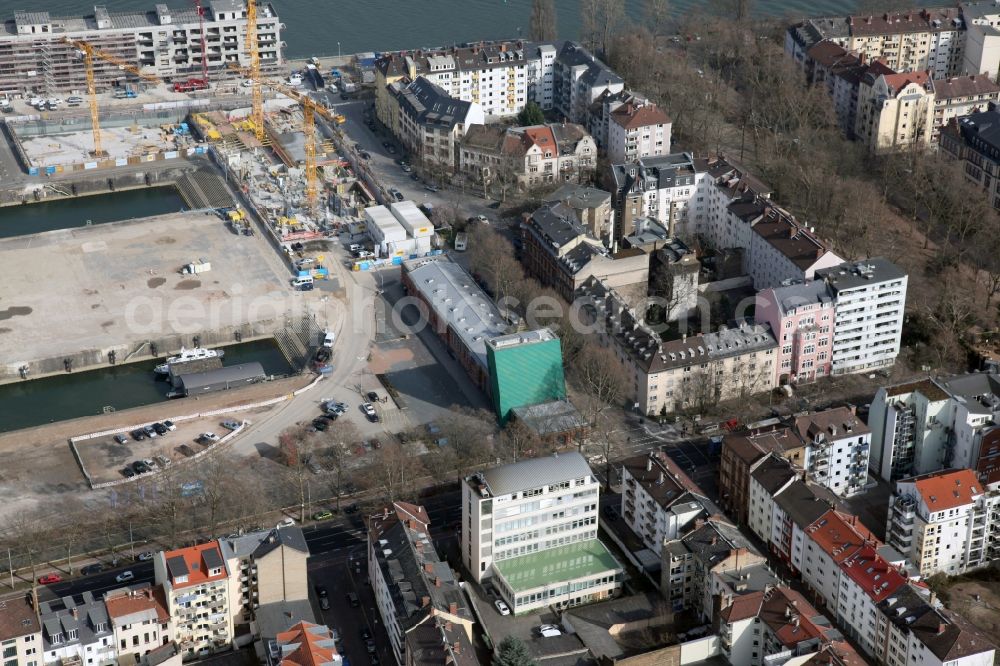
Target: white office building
<point x="530" y="528"/>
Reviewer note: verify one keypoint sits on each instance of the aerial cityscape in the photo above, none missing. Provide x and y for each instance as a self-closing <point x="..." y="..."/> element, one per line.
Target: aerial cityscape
<point x="665" y="335"/>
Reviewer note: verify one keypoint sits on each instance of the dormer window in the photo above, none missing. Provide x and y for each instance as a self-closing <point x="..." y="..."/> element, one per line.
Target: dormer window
<point x="73" y="634"/>
<point x="215" y="572"/>
<point x="180" y="579"/>
<point x="56" y="638"/>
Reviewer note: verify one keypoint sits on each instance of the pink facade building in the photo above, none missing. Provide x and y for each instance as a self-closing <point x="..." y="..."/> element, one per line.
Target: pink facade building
<point x="802" y="319"/>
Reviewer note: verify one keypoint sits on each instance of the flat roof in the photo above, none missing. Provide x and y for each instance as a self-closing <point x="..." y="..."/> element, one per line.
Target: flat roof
<point x="383" y="218"/>
<point x="557" y="565"/>
<point x="531" y="473"/>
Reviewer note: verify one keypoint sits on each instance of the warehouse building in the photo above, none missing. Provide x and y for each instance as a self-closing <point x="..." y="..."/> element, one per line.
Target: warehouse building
<point x="221" y="379"/>
<point x="164" y="42"/>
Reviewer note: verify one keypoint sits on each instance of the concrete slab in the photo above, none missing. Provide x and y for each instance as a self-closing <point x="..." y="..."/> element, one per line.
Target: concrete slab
<point x="118" y="142"/>
<point x="105" y="286"/>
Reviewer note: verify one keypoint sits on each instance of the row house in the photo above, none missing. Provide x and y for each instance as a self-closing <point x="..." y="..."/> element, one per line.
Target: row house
<point x="196" y="583"/>
<point x="637" y="131"/>
<point x="840" y="71"/>
<point x="973" y="139"/>
<point x="931" y="39"/>
<point x="20" y="633"/>
<point x="895" y="111"/>
<point x="944" y="522"/>
<point x="591" y="205"/>
<point x="413" y="586"/>
<point x="431" y="124"/>
<point x="139" y="619"/>
<point x="960" y="96"/>
<point x="742" y="453"/>
<point x="690" y="372"/>
<point x="77" y="629"/>
<point x="802" y="316"/>
<point x="267" y="566"/>
<point x="935" y="423"/>
<point x="527" y="157"/>
<point x="658" y="501"/>
<point x="838" y="444"/>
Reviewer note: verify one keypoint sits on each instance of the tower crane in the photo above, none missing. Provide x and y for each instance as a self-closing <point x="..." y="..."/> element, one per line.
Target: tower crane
<point x="204" y="49"/>
<point x="256" y="96"/>
<point x="89" y="52"/>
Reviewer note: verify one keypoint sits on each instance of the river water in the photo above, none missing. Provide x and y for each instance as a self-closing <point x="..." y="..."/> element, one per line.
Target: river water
<point x="72" y="395"/>
<point x="314" y="27"/>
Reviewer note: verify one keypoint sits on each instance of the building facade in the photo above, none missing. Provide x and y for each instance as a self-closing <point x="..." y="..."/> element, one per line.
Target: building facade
<point x="161" y="42"/>
<point x="974" y="140"/>
<point x="431" y="123"/>
<point x="961" y="96"/>
<point x="267" y="566"/>
<point x="530" y="528"/>
<point x="838" y="445"/>
<point x="802" y="317"/>
<point x="895" y="111"/>
<point x="637" y="131"/>
<point x="139" y="619"/>
<point x="20" y="634"/>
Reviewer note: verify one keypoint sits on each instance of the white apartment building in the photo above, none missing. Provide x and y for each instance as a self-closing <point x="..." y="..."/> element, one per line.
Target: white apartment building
<point x="165" y="42"/>
<point x="768" y="477"/>
<point x="76" y="629"/>
<point x="530" y="528"/>
<point x="869" y="301"/>
<point x="837" y="449"/>
<point x="20" y="634"/>
<point x="659" y="501"/>
<point x="196" y="584"/>
<point x="895" y="111"/>
<point x="540" y="74"/>
<point x="579" y="78"/>
<point x="982" y="40"/>
<point x="934" y="424"/>
<point x="961" y="96"/>
<point x="139" y="618"/>
<point x="944" y="522"/>
<point x="637" y="131"/>
<point x="431" y="123"/>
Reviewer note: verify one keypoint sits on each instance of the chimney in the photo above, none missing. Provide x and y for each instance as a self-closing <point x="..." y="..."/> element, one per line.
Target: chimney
<point x="850" y="20"/>
<point x="941" y="627"/>
<point x="453" y="609"/>
<point x="428" y="567"/>
<point x="447" y="626"/>
<point x="437" y="581"/>
<point x="455" y="648"/>
<point x="660" y="481"/>
<point x="75" y="613"/>
<point x="862" y="57"/>
<point x="503" y="48"/>
<point x="933" y="599"/>
<point x="714" y="540"/>
<point x="425" y="602"/>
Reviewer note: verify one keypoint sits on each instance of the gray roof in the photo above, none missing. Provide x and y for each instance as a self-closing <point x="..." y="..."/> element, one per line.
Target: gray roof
<point x="850" y="275"/>
<point x="457" y="300"/>
<point x="773" y="473"/>
<point x="797" y="295"/>
<point x="238" y="374"/>
<point x="429" y="104"/>
<point x="177" y="567"/>
<point x="979" y="392"/>
<point x="981" y="132"/>
<point x="597" y="74"/>
<point x="557" y="224"/>
<point x="58" y="620"/>
<point x="802" y="503"/>
<point x="714" y="541"/>
<point x="592" y="623"/>
<point x="212" y="559"/>
<point x="279" y="616"/>
<point x="535" y="472"/>
<point x="579" y="196"/>
<point x="260" y="543"/>
<point x="546" y="418"/>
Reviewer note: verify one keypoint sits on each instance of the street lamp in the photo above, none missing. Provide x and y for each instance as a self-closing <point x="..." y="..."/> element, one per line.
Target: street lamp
<point x="338" y="49"/>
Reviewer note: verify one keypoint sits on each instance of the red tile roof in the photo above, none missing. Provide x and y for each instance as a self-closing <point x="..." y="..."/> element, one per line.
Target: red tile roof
<point x="899" y="81"/>
<point x="136" y="600"/>
<point x="194" y="559"/>
<point x="874" y="575"/>
<point x="742" y="608"/>
<point x="315" y="645"/>
<point x="541" y="136"/>
<point x="629" y="116"/>
<point x="836" y="536"/>
<point x="947" y="490"/>
<point x="791" y="618"/>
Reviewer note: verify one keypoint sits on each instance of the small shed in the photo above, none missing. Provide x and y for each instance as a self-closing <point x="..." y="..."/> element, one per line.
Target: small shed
<point x="220" y="379"/>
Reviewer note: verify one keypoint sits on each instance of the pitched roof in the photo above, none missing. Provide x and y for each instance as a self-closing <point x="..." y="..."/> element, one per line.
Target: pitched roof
<point x="873" y="574"/>
<point x="773" y="473"/>
<point x="964" y="86"/>
<point x="307" y="644"/>
<point x="194" y="563"/>
<point x="780" y="230"/>
<point x="949" y="636"/>
<point x="836" y="423"/>
<point x="485" y="137"/>
<point x="792" y="619"/>
<point x="632" y="116"/>
<point x="136" y="604"/>
<point x="803" y="502"/>
<point x="661" y="478"/>
<point x="948" y="489"/>
<point x="926" y="20"/>
<point x="743" y="607"/>
<point x="429" y="104"/>
<point x="541" y="136"/>
<point x="837" y="537"/>
<point x="900" y="80"/>
<point x="17" y="618"/>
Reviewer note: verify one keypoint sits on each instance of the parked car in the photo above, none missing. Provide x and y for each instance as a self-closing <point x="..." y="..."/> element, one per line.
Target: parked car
<point x="145" y="556"/>
<point x="160" y="429"/>
<point x="407" y="168"/>
<point x="502" y="608"/>
<point x="324" y="603"/>
<point x="48" y="579"/>
<point x="207" y="437"/>
<point x="150" y="431"/>
<point x="138" y="434"/>
<point x="124" y="577"/>
<point x="353" y="600"/>
<point x="169" y="425"/>
<point x="370" y="646"/>
<point x="324" y="514"/>
<point x="162" y="461"/>
<point x="286" y="522"/>
<point x="549" y="630"/>
<point x="414" y="177"/>
<point x="399" y="195"/>
<point x="352" y="508"/>
<point x="140" y="467"/>
<point x="320" y="592"/>
<point x="320" y="424"/>
<point x="369" y="411"/>
<point x="231" y="424"/>
<point x="432" y="188"/>
<point x="91" y="569"/>
<point x="372" y="396"/>
<point x="128" y="472"/>
<point x="121" y="439"/>
<point x="365" y="155"/>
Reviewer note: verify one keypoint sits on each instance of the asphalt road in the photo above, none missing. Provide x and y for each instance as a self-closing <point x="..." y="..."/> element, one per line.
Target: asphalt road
<point x="99" y="583"/>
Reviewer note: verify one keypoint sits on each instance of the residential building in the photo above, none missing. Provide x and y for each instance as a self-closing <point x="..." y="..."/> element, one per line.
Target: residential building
<point x="982" y="41"/>
<point x="931" y="39"/>
<point x="411" y="583"/>
<point x="837" y="444"/>
<point x="431" y="123"/>
<point x="961" y="96"/>
<point x="528" y="157"/>
<point x="599" y="114"/>
<point x="670" y="375"/>
<point x="673" y="278"/>
<point x="162" y="42"/>
<point x="637" y="131"/>
<point x="76" y="629"/>
<point x="541" y="75"/>
<point x="692" y="574"/>
<point x="306" y="644"/>
<point x="802" y="317"/>
<point x="20" y="633"/>
<point x="578" y="79"/>
<point x="659" y="502"/>
<point x="934" y="424"/>
<point x="840" y="71"/>
<point x="196" y="583"/>
<point x="439" y="643"/>
<point x="869" y="298"/>
<point x="458" y="311"/>
<point x="742" y="453"/>
<point x="895" y="111"/>
<point x="768" y="477"/>
<point x="139" y="619"/>
<point x="591" y="205"/>
<point x="526" y="368"/>
<point x="975" y="140"/>
<point x="530" y="528"/>
<point x="560" y="252"/>
<point x="273" y="619"/>
<point x="944" y="522"/>
<point x="268" y="566"/>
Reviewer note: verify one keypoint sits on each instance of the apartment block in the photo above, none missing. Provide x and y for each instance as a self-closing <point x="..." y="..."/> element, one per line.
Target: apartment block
<point x="637" y="131"/>
<point x="944" y="522"/>
<point x="20" y="633"/>
<point x="162" y="42"/>
<point x="895" y="111"/>
<point x="869" y="299"/>
<point x="973" y="139"/>
<point x="139" y="619"/>
<point x="579" y="78"/>
<point x="934" y="424"/>
<point x="659" y="501"/>
<point x="413" y="586"/>
<point x="76" y="630"/>
<point x="196" y="583"/>
<point x="961" y="96"/>
<point x="430" y="123"/>
<point x="982" y="41"/>
<point x="838" y="444"/>
<point x="439" y="642"/>
<point x="305" y="644"/>
<point x="742" y="453"/>
<point x="802" y="317"/>
<point x="530" y="528"/>
<point x="840" y="71"/>
<point x="267" y="567"/>
<point x="591" y="205"/>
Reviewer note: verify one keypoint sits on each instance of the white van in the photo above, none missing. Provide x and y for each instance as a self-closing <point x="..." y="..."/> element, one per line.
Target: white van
<point x="461" y="241"/>
<point x="328" y="338"/>
<point x="301" y="281"/>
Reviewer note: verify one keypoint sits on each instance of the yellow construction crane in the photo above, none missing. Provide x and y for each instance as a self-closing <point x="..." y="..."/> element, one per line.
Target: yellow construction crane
<point x="89" y="51"/>
<point x="256" y="96"/>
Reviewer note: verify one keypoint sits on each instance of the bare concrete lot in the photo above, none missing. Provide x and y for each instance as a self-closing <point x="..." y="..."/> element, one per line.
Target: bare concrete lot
<point x="113" y="285"/>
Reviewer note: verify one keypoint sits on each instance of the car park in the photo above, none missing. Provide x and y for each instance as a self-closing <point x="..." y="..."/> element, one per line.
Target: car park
<point x="124" y="577"/>
<point x="48" y="579"/>
<point x="501" y="607"/>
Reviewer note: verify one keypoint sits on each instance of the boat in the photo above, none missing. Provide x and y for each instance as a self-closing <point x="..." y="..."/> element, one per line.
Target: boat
<point x="187" y="355"/>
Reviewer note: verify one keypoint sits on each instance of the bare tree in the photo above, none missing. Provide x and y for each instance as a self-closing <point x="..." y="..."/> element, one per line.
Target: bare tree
<point x="392" y="470"/>
<point x="341" y="436"/>
<point x="656" y="16"/>
<point x="297" y="448"/>
<point x="219" y="490"/>
<point x="543" y="21"/>
<point x="70" y="534"/>
<point x="518" y="440"/>
<point x="602" y="379"/>
<point x="492" y="257"/>
<point x="29" y="540"/>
